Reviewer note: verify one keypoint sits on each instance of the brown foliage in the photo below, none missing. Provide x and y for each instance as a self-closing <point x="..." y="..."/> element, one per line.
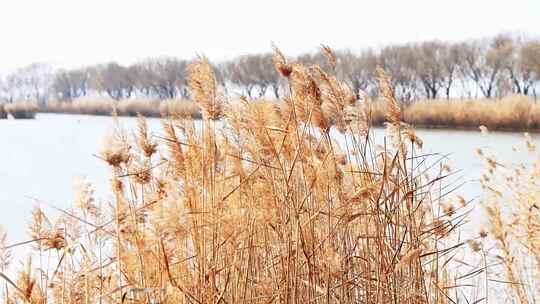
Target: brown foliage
<point x="263" y="206"/>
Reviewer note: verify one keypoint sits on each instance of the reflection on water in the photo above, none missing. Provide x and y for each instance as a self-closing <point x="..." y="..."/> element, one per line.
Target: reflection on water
<point x="43" y="159"/>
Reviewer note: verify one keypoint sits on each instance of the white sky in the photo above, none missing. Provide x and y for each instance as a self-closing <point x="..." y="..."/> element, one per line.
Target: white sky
<point x="70" y="33"/>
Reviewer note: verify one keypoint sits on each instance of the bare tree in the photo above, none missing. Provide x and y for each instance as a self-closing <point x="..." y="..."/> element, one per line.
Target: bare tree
<point x="145" y="76"/>
<point x="431" y="69"/>
<point x="400" y="62"/>
<point x="8" y="90"/>
<point x="10" y="87"/>
<point x="169" y="77"/>
<point x="358" y="71"/>
<point x="436" y="64"/>
<point x="530" y="57"/>
<point x="450" y="59"/>
<point x="240" y="72"/>
<point x="317" y="58"/>
<point x="430" y="66"/>
<point x="268" y="76"/>
<point x="482" y="62"/>
<point x="30" y="83"/>
<point x="520" y="64"/>
<point x="68" y="85"/>
<point x="115" y="80"/>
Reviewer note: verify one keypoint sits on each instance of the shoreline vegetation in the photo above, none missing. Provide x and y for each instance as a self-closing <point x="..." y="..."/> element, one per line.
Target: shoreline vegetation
<point x="511" y="113"/>
<point x="127" y="107"/>
<point x="266" y="209"/>
<point x="19" y="110"/>
<point x="269" y="208"/>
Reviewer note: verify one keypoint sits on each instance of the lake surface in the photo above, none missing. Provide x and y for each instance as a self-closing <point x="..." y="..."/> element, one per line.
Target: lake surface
<point x="44" y="158"/>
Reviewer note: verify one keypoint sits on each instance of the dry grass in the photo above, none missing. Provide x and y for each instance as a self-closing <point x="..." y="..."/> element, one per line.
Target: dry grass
<point x="518" y="113"/>
<point x="85" y="106"/>
<point x="3" y="113"/>
<point x="510" y="242"/>
<point x="133" y="107"/>
<point x="512" y="113"/>
<point x="263" y="207"/>
<point x="180" y="108"/>
<point x="22" y="109"/>
<point x="128" y="107"/>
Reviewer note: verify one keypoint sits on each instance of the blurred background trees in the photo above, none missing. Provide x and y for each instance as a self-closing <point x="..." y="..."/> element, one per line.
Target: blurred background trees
<point x="495" y="67"/>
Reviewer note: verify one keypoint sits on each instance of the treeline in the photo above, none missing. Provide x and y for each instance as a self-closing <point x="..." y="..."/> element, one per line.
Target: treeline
<point x="490" y="67"/>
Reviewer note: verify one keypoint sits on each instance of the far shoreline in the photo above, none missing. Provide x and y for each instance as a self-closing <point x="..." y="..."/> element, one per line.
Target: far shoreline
<point x="198" y="117"/>
<point x="516" y="113"/>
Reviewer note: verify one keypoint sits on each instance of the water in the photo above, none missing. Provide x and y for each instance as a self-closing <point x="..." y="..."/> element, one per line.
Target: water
<point x="43" y="158"/>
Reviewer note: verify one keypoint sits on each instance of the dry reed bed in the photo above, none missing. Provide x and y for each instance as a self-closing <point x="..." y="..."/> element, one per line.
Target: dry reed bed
<point x="128" y="107"/>
<point x="21" y="109"/>
<point x="267" y="208"/>
<point x="509" y="243"/>
<point x="3" y="113"/>
<point x="512" y="113"/>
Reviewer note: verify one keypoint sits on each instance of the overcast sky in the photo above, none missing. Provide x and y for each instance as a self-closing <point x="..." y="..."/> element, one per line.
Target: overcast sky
<point x="71" y="33"/>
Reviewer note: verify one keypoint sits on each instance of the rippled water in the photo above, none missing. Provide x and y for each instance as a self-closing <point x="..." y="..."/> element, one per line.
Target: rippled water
<point x="43" y="158"/>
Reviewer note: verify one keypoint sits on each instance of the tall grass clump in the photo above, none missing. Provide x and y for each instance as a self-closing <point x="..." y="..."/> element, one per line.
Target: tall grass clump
<point x="516" y="112"/>
<point x="134" y="107"/>
<point x="86" y="106"/>
<point x="258" y="203"/>
<point x="3" y="113"/>
<point x="22" y="109"/>
<point x="510" y="241"/>
<point x="126" y="107"/>
<point x="179" y="108"/>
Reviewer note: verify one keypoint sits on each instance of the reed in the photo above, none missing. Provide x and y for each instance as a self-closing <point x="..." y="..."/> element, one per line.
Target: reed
<point x="86" y="106"/>
<point x="512" y="113"/>
<point x="127" y="107"/>
<point x="3" y="113"/>
<point x="133" y="107"/>
<point x="179" y="108"/>
<point x="510" y="239"/>
<point x="22" y="109"/>
<point x="262" y="206"/>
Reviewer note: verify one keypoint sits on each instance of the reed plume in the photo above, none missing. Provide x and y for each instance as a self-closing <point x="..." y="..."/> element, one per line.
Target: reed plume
<point x="280" y="62"/>
<point x="204" y="89"/>
<point x="267" y="205"/>
<point x="3" y="113"/>
<point x="393" y="110"/>
<point x="511" y="238"/>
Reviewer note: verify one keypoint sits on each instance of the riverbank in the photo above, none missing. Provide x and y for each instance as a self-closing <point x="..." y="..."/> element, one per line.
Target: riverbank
<point x="512" y="113"/>
<point x="20" y="110"/>
<point x="274" y="200"/>
<point x="128" y="107"/>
